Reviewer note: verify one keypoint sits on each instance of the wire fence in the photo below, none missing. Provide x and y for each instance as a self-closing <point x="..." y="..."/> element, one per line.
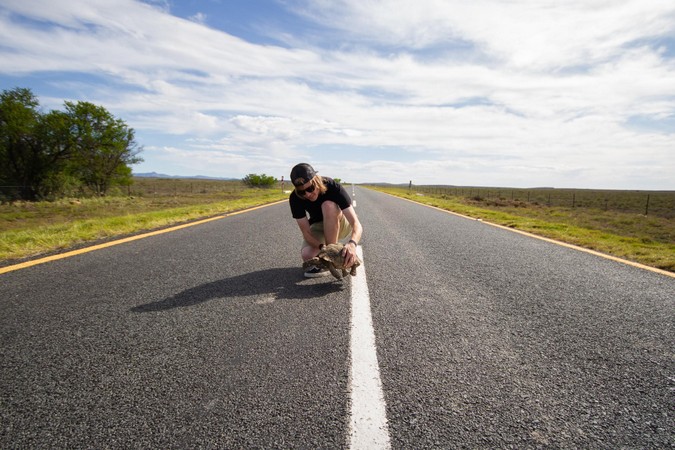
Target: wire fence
<point x="657" y="203"/>
<point x="151" y="187"/>
<point x="182" y="186"/>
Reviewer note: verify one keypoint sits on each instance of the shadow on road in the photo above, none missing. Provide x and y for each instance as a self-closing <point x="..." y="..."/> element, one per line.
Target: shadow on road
<point x="279" y="283"/>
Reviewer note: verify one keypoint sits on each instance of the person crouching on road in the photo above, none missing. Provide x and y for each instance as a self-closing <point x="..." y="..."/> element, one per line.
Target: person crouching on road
<point x="325" y="215"/>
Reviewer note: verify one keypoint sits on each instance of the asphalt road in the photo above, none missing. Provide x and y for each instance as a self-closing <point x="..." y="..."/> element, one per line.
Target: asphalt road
<point x="209" y="337"/>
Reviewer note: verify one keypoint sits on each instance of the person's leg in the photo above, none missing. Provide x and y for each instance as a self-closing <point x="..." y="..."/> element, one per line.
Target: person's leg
<point x="332" y="216"/>
<point x="345" y="229"/>
<point x="307" y="251"/>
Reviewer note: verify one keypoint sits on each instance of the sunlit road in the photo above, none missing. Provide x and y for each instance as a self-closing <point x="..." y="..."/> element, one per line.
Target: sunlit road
<point x="209" y="337"/>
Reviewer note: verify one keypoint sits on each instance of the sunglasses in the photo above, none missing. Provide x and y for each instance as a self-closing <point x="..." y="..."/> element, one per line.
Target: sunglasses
<point x="309" y="190"/>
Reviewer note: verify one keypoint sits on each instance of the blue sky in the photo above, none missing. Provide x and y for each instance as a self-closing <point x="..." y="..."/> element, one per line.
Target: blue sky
<point x="570" y="94"/>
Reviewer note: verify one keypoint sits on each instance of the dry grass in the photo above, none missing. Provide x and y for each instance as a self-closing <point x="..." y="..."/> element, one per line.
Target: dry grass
<point x="649" y="240"/>
<point x="32" y="229"/>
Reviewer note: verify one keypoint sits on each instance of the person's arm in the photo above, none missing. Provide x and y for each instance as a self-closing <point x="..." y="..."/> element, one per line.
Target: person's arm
<point x="307" y="233"/>
<point x="357" y="230"/>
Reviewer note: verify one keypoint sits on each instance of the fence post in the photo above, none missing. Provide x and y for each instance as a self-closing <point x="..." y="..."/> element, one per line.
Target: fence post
<point x="647" y="207"/>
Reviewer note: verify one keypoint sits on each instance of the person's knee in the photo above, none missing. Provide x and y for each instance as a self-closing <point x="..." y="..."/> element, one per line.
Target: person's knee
<point x="308" y="252"/>
<point x="330" y="210"/>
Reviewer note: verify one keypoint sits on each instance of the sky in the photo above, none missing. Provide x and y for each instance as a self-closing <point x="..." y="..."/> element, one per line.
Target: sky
<point x="509" y="93"/>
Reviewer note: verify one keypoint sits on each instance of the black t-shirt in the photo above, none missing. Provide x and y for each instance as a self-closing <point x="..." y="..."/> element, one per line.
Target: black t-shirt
<point x="335" y="193"/>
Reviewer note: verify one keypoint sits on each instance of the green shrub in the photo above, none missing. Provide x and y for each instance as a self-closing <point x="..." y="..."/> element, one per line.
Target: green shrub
<point x="255" y="180"/>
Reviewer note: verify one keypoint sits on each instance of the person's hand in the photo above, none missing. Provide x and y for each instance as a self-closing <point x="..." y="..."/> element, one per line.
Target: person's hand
<point x="349" y="254"/>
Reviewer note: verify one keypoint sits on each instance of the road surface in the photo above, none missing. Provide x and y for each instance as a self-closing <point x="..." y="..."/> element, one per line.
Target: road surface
<point x="209" y="337"/>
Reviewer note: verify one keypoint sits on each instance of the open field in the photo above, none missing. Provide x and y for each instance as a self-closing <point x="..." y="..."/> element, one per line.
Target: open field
<point x="612" y="222"/>
<point x="650" y="203"/>
<point x="647" y="239"/>
<point x="31" y="229"/>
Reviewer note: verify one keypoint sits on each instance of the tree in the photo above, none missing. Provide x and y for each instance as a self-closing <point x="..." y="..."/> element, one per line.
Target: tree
<point x="40" y="153"/>
<point x="53" y="136"/>
<point x="18" y="119"/>
<point x="255" y="180"/>
<point x="103" y="147"/>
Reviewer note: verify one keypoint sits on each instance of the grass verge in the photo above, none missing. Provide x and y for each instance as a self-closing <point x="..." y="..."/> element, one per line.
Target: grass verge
<point x="635" y="237"/>
<point x="29" y="230"/>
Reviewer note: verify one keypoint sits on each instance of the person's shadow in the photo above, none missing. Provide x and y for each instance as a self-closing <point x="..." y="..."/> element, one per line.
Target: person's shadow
<point x="279" y="283"/>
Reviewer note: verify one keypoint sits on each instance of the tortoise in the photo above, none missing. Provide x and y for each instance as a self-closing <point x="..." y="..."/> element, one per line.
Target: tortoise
<point x="330" y="257"/>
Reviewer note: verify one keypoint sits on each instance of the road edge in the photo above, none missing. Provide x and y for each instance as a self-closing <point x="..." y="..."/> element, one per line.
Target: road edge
<point x="135" y="237"/>
<point x="542" y="238"/>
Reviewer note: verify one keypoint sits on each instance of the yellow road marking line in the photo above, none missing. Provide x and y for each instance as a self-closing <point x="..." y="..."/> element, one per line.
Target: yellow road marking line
<point x="124" y="240"/>
<point x="553" y="241"/>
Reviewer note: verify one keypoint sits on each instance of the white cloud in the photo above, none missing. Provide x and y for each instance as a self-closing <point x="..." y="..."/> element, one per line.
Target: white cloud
<point x="179" y="123"/>
<point x="199" y="18"/>
<point x="530" y="34"/>
<point x="482" y="89"/>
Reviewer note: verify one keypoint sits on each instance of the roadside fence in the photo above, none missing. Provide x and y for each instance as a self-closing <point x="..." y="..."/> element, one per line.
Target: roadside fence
<point x="657" y="203"/>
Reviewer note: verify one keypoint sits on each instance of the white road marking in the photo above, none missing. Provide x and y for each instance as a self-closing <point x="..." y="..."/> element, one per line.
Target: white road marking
<point x="368" y="427"/>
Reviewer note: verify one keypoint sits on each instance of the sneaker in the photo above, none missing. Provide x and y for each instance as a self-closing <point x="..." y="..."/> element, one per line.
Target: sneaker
<point x="315" y="272"/>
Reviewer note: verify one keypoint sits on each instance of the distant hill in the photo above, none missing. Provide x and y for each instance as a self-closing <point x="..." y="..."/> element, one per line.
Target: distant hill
<point x="190" y="177"/>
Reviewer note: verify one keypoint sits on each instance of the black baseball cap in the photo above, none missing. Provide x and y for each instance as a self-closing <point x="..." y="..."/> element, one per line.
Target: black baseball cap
<point x="302" y="173"/>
